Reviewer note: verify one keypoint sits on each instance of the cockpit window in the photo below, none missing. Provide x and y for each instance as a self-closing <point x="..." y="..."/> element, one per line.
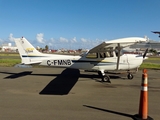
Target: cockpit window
<point x="103" y="54"/>
<point x="106" y="54"/>
<point x="116" y="52"/>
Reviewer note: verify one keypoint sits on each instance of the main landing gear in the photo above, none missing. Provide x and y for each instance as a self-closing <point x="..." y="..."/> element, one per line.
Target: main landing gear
<point x="105" y="77"/>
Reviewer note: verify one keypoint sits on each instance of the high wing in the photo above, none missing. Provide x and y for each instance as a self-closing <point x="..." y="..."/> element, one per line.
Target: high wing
<point x="120" y="43"/>
<point x="117" y="44"/>
<point x="156" y="32"/>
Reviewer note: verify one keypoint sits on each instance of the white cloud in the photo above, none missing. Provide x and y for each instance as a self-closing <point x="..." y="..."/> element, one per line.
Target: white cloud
<point x="50" y="44"/>
<point x="1" y="40"/>
<point x="11" y="38"/>
<point x="63" y="40"/>
<point x="52" y="40"/>
<point x="39" y="38"/>
<point x="84" y="40"/>
<point x="74" y="40"/>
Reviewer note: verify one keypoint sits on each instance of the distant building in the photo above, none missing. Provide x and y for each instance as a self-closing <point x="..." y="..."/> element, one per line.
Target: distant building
<point x="150" y="44"/>
<point x="141" y="47"/>
<point x="8" y="48"/>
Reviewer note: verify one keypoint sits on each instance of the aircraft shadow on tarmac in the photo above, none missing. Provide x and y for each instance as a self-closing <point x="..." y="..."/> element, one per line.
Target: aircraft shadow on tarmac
<point x="63" y="83"/>
<point x="111" y="111"/>
<point x="16" y="75"/>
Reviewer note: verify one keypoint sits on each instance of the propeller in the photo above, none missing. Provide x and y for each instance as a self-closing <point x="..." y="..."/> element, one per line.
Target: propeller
<point x="118" y="55"/>
<point x="145" y="53"/>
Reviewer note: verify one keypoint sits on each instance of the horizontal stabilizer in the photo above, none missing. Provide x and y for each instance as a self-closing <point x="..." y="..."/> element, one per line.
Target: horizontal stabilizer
<point x="30" y="63"/>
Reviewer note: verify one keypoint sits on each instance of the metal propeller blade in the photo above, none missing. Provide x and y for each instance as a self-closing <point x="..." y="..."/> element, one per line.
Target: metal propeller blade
<point x="118" y="56"/>
<point x="144" y="55"/>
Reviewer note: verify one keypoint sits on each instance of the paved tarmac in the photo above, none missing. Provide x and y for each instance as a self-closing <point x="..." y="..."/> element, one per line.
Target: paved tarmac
<point x="65" y="94"/>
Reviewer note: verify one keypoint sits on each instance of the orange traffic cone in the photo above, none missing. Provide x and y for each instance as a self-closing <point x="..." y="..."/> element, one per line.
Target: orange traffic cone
<point x="143" y="105"/>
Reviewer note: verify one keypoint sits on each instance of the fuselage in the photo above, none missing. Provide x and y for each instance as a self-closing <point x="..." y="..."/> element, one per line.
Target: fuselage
<point x="126" y="62"/>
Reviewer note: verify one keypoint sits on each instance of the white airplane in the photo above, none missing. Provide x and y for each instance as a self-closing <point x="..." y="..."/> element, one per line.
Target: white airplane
<point x="104" y="57"/>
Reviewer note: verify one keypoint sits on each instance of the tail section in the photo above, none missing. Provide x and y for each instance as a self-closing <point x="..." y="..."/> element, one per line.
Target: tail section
<point x="27" y="52"/>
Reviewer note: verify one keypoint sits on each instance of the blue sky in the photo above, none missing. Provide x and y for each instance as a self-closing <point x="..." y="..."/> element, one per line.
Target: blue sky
<point x="77" y="23"/>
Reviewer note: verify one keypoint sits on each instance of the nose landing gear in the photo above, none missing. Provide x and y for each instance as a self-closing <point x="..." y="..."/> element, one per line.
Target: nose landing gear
<point x="130" y="76"/>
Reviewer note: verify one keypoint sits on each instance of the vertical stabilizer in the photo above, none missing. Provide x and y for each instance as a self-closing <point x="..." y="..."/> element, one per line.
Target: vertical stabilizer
<point x="25" y="50"/>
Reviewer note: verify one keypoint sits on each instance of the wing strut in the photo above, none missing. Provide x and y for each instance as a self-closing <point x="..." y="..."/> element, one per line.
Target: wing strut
<point x="118" y="55"/>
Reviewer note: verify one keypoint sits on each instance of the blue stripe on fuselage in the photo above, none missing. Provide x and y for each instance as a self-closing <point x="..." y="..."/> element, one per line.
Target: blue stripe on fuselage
<point x="33" y="56"/>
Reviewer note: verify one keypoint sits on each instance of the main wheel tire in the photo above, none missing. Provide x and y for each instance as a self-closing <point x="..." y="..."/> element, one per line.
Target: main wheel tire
<point x="130" y="76"/>
<point x="106" y="78"/>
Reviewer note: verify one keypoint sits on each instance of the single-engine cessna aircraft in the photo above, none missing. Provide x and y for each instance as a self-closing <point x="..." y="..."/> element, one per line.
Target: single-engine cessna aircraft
<point x="104" y="57"/>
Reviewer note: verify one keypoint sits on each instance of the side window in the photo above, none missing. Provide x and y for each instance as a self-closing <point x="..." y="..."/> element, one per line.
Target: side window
<point x="92" y="55"/>
<point x="106" y="54"/>
<point x="109" y="54"/>
<point x="116" y="52"/>
<point x="102" y="55"/>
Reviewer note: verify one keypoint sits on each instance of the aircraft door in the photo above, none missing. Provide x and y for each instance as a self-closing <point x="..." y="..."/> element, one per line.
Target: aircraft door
<point x="107" y="61"/>
<point x="127" y="61"/>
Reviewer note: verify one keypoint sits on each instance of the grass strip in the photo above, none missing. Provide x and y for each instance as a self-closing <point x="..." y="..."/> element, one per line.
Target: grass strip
<point x="8" y="54"/>
<point x="148" y="65"/>
<point x="9" y="62"/>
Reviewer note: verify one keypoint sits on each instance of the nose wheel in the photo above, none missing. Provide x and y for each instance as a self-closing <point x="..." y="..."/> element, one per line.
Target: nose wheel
<point x="130" y="76"/>
<point x="105" y="78"/>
